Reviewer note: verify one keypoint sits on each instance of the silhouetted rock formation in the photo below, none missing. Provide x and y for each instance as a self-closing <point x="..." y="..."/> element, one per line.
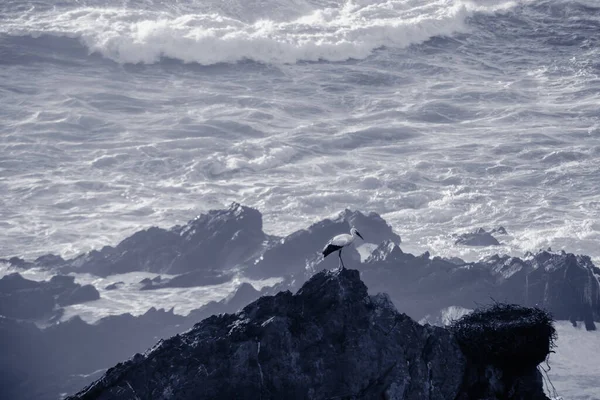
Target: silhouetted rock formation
<point x="299" y="252"/>
<point x="329" y="340"/>
<point x="26" y="299"/>
<point x="45" y="261"/>
<point x="208" y="248"/>
<point x="217" y="240"/>
<point x="210" y="245"/>
<point x="42" y="363"/>
<point x="565" y="284"/>
<point x="478" y="237"/>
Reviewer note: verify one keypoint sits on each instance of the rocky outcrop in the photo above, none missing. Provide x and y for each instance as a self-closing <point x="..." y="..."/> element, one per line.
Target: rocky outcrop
<point x="214" y="243"/>
<point x="26" y="299"/>
<point x="71" y="354"/>
<point x="566" y="284"/>
<point x="300" y="252"/>
<point x="330" y="340"/>
<point x="114" y="286"/>
<point x="220" y="239"/>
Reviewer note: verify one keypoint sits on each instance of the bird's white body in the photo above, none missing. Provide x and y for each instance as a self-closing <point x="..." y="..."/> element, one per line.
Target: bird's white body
<point x="337" y="243"/>
<point x="342" y="240"/>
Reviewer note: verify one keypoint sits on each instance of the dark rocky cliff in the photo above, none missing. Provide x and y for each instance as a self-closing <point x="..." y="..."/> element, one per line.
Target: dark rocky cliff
<point x="329" y="340"/>
<point x="568" y="285"/>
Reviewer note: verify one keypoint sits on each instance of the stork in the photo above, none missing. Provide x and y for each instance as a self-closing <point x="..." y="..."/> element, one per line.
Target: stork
<point x="337" y="243"/>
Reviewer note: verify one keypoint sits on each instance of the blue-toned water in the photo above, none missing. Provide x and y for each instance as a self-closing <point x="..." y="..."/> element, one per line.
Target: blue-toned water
<point x="440" y="115"/>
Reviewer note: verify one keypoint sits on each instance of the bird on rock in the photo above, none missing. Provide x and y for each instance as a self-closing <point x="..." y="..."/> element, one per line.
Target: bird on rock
<point x="337" y="243"/>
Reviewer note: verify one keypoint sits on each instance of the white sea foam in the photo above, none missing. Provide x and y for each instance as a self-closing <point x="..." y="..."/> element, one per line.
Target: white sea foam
<point x="127" y="298"/>
<point x="349" y="30"/>
<point x="442" y="137"/>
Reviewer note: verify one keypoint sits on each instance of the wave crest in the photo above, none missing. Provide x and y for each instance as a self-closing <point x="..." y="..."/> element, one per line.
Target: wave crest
<point x="351" y="30"/>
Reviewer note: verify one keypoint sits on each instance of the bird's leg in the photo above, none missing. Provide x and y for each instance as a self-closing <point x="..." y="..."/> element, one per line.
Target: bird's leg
<point x="341" y="261"/>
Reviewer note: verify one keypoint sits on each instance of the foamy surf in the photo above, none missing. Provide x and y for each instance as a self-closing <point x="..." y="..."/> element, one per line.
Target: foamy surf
<point x="348" y="30"/>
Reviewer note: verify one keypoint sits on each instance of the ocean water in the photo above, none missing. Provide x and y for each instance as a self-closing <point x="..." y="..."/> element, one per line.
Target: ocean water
<point x="441" y="115"/>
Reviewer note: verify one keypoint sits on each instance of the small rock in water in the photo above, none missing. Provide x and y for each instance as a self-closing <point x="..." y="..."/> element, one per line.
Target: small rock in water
<point x="114" y="286"/>
<point x="499" y="230"/>
<point x="478" y="237"/>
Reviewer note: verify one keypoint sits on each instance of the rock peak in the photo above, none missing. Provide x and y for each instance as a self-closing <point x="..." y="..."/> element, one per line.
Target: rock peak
<point x="329" y="340"/>
<point x="335" y="286"/>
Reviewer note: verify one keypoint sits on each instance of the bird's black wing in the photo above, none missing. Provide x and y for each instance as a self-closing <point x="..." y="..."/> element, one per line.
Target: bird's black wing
<point x="330" y="248"/>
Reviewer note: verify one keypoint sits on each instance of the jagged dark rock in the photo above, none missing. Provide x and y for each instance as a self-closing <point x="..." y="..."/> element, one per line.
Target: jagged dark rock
<point x="565" y="284"/>
<point x="300" y="252"/>
<point x="71" y="354"/>
<point x="17" y="262"/>
<point x="330" y="339"/>
<point x="420" y="285"/>
<point x="478" y="237"/>
<point x="26" y="299"/>
<point x="217" y="240"/>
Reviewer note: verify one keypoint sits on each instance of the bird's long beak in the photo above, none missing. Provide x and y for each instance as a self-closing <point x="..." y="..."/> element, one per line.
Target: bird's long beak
<point x="360" y="236"/>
